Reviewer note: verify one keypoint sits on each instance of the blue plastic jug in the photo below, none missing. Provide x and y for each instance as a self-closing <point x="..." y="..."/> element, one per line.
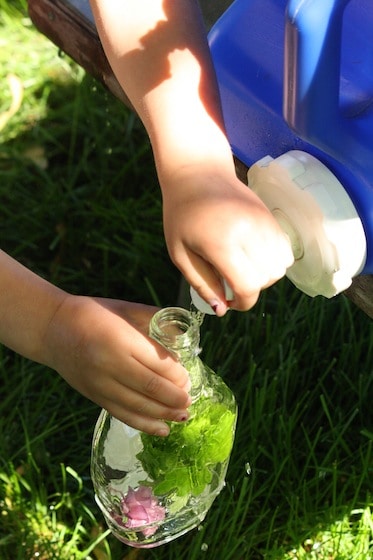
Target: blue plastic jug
<point x="298" y="75"/>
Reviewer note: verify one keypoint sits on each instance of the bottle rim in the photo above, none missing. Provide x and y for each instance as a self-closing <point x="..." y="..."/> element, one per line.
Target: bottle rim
<point x="175" y="328"/>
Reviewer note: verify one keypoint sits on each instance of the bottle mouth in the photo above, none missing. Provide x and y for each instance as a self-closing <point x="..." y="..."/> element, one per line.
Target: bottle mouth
<point x="174" y="328"/>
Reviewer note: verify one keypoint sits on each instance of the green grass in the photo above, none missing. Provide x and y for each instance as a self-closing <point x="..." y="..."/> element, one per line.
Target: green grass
<point x="86" y="214"/>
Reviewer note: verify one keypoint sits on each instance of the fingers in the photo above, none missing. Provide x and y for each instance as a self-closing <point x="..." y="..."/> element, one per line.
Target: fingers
<point x="143" y="413"/>
<point x="149" y="396"/>
<point x="158" y="373"/>
<point x="249" y="275"/>
<point x="244" y="278"/>
<point x="151" y="384"/>
<point x="146" y="400"/>
<point x="205" y="281"/>
<point x="234" y="238"/>
<point x="221" y="294"/>
<point x="136" y="344"/>
<point x="108" y="358"/>
<point x="151" y="426"/>
<point x="143" y="400"/>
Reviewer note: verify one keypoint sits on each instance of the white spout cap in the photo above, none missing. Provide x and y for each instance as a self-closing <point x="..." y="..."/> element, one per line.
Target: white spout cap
<point x="313" y="208"/>
<point x="202" y="305"/>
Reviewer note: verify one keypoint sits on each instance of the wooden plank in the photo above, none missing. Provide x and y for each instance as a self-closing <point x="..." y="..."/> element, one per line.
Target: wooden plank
<point x="69" y="24"/>
<point x="361" y="293"/>
<point x="75" y="34"/>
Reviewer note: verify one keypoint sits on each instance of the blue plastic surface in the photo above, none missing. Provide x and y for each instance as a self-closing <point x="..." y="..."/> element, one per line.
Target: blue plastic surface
<point x="298" y="74"/>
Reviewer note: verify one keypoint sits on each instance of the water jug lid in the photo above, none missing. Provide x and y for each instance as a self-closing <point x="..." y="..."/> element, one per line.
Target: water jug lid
<point x="313" y="208"/>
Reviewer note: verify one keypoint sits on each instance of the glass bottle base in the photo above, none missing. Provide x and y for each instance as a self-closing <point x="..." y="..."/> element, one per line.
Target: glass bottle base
<point x="156" y="534"/>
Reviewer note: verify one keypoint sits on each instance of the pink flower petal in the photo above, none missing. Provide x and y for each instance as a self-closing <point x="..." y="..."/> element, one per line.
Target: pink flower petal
<point x="138" y="512"/>
<point x="141" y="507"/>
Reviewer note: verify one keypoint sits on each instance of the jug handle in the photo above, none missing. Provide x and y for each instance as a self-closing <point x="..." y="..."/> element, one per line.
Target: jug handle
<point x="312" y="55"/>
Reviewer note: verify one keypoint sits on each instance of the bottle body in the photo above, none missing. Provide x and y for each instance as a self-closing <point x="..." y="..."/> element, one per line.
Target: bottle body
<point x="152" y="490"/>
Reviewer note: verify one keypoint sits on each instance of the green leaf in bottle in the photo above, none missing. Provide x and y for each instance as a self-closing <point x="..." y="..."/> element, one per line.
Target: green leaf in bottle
<point x="183" y="461"/>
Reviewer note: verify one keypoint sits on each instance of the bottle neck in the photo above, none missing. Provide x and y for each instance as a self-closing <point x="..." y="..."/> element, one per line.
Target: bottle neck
<point x="177" y="330"/>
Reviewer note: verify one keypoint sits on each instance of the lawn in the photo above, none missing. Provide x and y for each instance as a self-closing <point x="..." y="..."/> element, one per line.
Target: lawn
<point x="80" y="205"/>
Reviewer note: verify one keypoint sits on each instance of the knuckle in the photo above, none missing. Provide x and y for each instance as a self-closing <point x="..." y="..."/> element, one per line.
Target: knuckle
<point x="142" y="409"/>
<point x="153" y="385"/>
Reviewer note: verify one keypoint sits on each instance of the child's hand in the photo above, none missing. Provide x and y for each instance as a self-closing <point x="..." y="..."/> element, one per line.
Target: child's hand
<point x="101" y="349"/>
<point x="217" y="228"/>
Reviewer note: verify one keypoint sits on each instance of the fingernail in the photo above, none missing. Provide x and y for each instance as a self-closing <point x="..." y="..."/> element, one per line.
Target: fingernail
<point x="219" y="308"/>
<point x="215" y="307"/>
<point x="162" y="432"/>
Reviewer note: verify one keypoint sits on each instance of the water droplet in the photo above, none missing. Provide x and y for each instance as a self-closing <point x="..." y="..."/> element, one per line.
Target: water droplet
<point x="204" y="547"/>
<point x="248" y="468"/>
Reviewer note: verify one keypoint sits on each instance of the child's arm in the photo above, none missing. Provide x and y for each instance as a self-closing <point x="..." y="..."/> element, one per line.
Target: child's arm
<point x="99" y="346"/>
<point x="214" y="225"/>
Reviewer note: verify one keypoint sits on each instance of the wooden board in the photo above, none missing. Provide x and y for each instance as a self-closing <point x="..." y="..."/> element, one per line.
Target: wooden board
<point x="74" y="32"/>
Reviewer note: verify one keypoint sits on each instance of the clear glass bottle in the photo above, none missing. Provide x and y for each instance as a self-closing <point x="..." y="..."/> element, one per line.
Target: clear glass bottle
<point x="151" y="489"/>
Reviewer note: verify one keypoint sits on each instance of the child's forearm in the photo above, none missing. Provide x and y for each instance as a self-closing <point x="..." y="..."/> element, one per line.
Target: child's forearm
<point x="27" y="305"/>
<point x="159" y="52"/>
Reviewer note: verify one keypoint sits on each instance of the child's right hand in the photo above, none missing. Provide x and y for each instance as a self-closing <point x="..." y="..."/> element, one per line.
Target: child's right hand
<point x="217" y="228"/>
<point x="100" y="347"/>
